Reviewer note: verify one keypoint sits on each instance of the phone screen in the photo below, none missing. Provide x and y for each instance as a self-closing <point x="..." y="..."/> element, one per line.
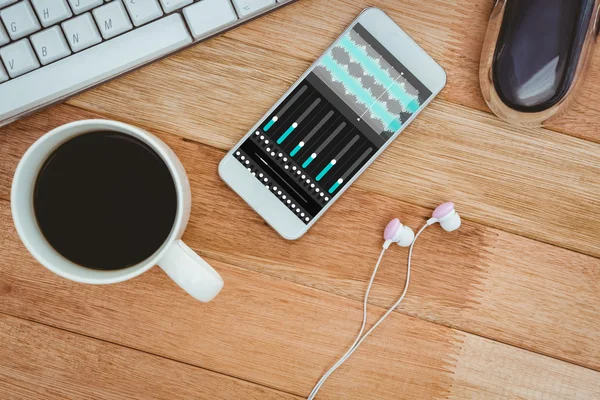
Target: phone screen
<point x="351" y="103"/>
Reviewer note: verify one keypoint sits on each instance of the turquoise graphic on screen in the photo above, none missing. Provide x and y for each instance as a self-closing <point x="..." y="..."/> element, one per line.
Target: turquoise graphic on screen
<point x="360" y="76"/>
<point x="374" y="68"/>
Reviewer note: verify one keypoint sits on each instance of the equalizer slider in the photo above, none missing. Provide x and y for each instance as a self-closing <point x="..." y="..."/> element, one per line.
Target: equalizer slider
<point x="298" y="121"/>
<point x="337" y="158"/>
<point x="311" y="134"/>
<point x="285" y="108"/>
<point x="323" y="145"/>
<point x="350" y="170"/>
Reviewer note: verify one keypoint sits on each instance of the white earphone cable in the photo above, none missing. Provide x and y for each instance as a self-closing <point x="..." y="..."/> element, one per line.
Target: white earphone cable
<point x="358" y="341"/>
<point x="362" y="328"/>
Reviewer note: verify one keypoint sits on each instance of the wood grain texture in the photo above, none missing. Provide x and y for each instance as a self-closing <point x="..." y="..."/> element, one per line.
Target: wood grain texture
<point x="484" y="281"/>
<point x="261" y="329"/>
<point x="501" y="370"/>
<point x="283" y="335"/>
<point x="39" y="362"/>
<point x="500" y="175"/>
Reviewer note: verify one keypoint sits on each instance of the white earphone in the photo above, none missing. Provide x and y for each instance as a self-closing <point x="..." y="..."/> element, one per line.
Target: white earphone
<point x="447" y="216"/>
<point x="395" y="232"/>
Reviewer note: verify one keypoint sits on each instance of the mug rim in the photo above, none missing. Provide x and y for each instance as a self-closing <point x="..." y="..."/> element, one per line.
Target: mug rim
<point x="98" y="276"/>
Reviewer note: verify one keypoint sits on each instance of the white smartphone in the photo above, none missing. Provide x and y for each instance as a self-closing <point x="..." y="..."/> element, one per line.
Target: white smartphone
<point x="332" y="123"/>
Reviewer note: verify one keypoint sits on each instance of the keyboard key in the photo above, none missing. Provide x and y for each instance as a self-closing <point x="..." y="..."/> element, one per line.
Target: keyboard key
<point x="208" y="16"/>
<point x="101" y="62"/>
<point x="247" y="7"/>
<point x="3" y="74"/>
<point x="20" y="20"/>
<point x="172" y="5"/>
<point x="3" y="35"/>
<point x="80" y="6"/>
<point x="51" y="12"/>
<point x="50" y="45"/>
<point x="4" y="3"/>
<point x="112" y="19"/>
<point x="142" y="11"/>
<point x="19" y="58"/>
<point x="81" y="32"/>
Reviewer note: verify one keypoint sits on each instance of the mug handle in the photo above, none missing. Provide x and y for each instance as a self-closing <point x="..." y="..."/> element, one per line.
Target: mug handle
<point x="191" y="272"/>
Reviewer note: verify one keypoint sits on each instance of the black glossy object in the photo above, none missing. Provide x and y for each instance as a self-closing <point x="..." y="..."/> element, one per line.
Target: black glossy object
<point x="538" y="50"/>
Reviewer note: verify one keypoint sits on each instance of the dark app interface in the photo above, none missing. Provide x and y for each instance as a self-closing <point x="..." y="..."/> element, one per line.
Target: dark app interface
<point x="335" y="120"/>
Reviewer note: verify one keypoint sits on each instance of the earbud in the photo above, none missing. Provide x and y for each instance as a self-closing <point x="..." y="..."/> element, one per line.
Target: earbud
<point x="447" y="216"/>
<point x="396" y="232"/>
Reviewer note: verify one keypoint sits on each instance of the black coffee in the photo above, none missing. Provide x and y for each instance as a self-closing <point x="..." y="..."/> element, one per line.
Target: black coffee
<point x="105" y="200"/>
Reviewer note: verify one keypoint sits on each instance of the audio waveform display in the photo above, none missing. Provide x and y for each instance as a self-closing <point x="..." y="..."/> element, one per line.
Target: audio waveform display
<point x="373" y="65"/>
<point x="375" y="91"/>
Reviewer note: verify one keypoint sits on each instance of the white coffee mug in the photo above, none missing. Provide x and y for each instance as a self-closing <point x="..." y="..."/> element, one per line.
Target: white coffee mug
<point x="181" y="263"/>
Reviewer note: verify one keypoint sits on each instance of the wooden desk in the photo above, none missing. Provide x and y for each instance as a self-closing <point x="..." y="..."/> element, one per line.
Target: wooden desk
<point x="508" y="307"/>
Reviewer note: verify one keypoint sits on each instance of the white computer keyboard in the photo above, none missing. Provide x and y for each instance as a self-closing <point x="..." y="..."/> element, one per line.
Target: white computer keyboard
<point x="52" y="49"/>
